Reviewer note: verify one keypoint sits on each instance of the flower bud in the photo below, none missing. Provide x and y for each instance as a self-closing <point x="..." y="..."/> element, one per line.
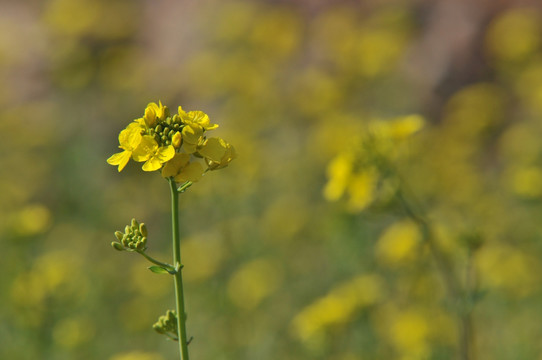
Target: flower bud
<point x="119" y="235"/>
<point x="139" y="245"/>
<point x="117" y="246"/>
<point x="135" y="224"/>
<point x="158" y="328"/>
<point x="176" y="140"/>
<point x="127" y="229"/>
<point x="143" y="229"/>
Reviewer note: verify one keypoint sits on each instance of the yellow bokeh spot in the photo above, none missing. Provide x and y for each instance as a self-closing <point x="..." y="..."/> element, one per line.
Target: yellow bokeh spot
<point x="285" y="217"/>
<point x="73" y="332"/>
<point x="337" y="307"/>
<point x="515" y="35"/>
<point x="409" y="332"/>
<point x="508" y="269"/>
<point x="31" y="220"/>
<point x="253" y="282"/>
<point x="527" y="182"/>
<point x="202" y="256"/>
<point x="136" y="355"/>
<point x="529" y="85"/>
<point x="398" y="243"/>
<point x="474" y="109"/>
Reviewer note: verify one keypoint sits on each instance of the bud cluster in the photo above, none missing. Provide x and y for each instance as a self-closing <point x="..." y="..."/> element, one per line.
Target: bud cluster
<point x="167" y="324"/>
<point x="134" y="237"/>
<point x="168" y="131"/>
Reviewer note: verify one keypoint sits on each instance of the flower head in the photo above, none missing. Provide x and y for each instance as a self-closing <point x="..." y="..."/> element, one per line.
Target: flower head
<point x="172" y="143"/>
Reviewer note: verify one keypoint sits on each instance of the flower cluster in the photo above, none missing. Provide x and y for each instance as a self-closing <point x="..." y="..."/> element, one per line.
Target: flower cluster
<point x="172" y="143"/>
<point x="133" y="238"/>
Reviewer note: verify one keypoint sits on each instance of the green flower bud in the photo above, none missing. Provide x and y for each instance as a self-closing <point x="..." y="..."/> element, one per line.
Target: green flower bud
<point x="176" y="126"/>
<point x="158" y="328"/>
<point x="169" y="121"/>
<point x="144" y="241"/>
<point x="140" y="245"/>
<point x="158" y="129"/>
<point x="135" y="224"/>
<point x="117" y="246"/>
<point x="127" y="229"/>
<point x="143" y="229"/>
<point x="119" y="235"/>
<point x="125" y="242"/>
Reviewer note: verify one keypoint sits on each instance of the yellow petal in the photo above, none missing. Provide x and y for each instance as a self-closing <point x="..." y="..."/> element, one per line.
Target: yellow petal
<point x="189" y="148"/>
<point x="120" y="159"/>
<point x="192" y="172"/>
<point x="152" y="164"/>
<point x="150" y="116"/>
<point x="214" y="149"/>
<point x="174" y="166"/>
<point x="130" y="137"/>
<point x="229" y="155"/>
<point x="165" y="153"/>
<point x="192" y="133"/>
<point x="147" y="148"/>
<point x="181" y="111"/>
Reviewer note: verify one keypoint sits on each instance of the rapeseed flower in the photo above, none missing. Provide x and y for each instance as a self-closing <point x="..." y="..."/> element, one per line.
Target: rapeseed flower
<point x="129" y="140"/>
<point x="173" y="144"/>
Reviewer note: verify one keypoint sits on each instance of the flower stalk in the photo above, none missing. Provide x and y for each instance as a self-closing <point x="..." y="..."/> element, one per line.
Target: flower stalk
<point x="174" y="145"/>
<point x="179" y="293"/>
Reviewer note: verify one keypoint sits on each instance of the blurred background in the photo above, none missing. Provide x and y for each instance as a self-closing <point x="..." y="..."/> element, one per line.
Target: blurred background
<point x="299" y="249"/>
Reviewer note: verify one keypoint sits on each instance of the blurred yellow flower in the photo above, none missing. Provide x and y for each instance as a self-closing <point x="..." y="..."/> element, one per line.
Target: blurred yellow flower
<point x="192" y="135"/>
<point x="398" y="243"/>
<point x="338" y="306"/>
<point x="137" y="355"/>
<point x="181" y="169"/>
<point x="196" y="118"/>
<point x="217" y="153"/>
<point x="253" y="282"/>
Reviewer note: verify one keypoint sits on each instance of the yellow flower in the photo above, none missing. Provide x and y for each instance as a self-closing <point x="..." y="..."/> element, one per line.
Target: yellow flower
<point x="181" y="169"/>
<point x="154" y="112"/>
<point x="196" y="118"/>
<point x="129" y="140"/>
<point x="192" y="135"/>
<point x="217" y="153"/>
<point x="153" y="155"/>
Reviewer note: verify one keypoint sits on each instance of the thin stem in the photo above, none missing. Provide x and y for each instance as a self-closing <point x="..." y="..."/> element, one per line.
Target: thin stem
<point x="179" y="296"/>
<point x="453" y="285"/>
<point x="157" y="262"/>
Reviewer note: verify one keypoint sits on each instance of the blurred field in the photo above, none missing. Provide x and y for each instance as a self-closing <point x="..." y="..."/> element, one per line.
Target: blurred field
<point x="300" y="249"/>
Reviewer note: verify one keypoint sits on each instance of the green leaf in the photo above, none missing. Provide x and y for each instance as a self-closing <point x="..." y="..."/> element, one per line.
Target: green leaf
<point x="159" y="270"/>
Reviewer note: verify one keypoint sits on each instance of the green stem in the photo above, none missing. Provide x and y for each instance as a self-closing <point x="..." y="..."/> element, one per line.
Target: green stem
<point x="179" y="297"/>
<point x="156" y="262"/>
